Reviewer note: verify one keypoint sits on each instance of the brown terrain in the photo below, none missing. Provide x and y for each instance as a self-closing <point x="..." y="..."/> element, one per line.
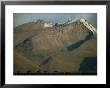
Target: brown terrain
<point x="52" y="50"/>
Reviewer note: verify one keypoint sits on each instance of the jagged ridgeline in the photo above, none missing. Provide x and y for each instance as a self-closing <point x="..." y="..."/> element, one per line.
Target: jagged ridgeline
<point x="44" y="48"/>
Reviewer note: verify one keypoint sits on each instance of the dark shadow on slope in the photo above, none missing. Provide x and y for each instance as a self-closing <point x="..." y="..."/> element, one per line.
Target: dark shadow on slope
<point x="79" y="43"/>
<point x="47" y="61"/>
<point x="26" y="48"/>
<point x="88" y="65"/>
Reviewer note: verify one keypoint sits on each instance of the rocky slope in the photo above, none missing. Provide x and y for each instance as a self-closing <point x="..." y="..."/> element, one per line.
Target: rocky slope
<point x="50" y="50"/>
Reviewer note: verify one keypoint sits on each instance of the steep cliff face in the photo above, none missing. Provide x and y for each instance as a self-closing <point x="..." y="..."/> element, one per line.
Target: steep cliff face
<point x="57" y="49"/>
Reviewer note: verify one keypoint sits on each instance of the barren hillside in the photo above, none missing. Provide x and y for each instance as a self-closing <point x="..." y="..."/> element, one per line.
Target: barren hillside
<point x="55" y="49"/>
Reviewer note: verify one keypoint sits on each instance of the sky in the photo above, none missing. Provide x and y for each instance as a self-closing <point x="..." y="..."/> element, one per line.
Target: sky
<point x="21" y="18"/>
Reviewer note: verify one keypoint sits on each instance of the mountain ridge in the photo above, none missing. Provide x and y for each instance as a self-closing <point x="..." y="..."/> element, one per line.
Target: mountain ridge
<point x="39" y="44"/>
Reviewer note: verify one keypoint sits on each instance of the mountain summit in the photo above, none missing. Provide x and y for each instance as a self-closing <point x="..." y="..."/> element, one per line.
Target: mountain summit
<point x="41" y="47"/>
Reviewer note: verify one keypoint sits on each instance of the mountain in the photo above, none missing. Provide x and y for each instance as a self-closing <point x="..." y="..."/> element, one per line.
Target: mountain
<point x="60" y="48"/>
